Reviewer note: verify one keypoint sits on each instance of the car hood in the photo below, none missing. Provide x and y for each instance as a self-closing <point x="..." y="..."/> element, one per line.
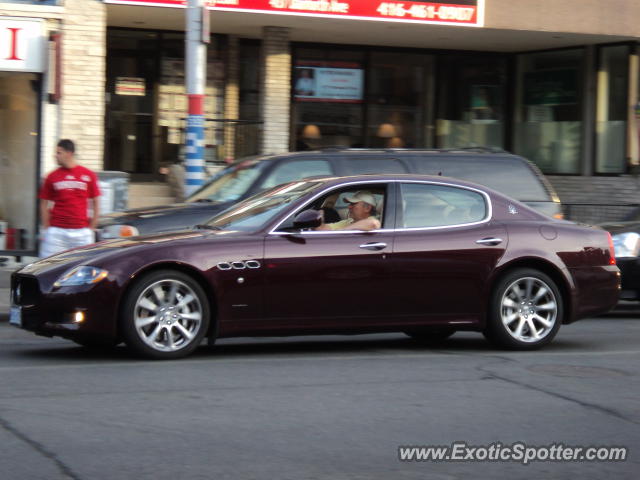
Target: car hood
<point x="97" y="252"/>
<point x="128" y="216"/>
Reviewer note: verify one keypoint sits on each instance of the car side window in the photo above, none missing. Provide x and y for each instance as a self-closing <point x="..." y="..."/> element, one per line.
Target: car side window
<point x="373" y="165"/>
<point x="296" y="170"/>
<point x="431" y="205"/>
<point x="335" y="205"/>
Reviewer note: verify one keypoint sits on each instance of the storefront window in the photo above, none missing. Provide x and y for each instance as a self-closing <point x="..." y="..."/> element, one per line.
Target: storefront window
<point x="471" y="93"/>
<point x="612" y="110"/>
<point x="328" y="98"/>
<point x="248" y="130"/>
<point x="18" y="160"/>
<point x="147" y="102"/>
<point x="548" y="120"/>
<point x="398" y="98"/>
<point x="249" y="80"/>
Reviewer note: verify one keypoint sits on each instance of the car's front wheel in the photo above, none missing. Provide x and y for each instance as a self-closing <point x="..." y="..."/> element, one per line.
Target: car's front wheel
<point x="526" y="310"/>
<point x="165" y="315"/>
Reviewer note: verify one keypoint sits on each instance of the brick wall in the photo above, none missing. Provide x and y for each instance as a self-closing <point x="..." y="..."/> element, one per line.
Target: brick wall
<point x="276" y="91"/>
<point x="84" y="57"/>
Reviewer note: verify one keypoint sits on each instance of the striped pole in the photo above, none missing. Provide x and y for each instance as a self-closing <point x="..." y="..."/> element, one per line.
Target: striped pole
<point x="195" y="71"/>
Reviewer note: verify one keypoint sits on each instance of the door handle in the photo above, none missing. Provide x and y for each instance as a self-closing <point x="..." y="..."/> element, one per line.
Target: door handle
<point x="489" y="241"/>
<point x="373" y="246"/>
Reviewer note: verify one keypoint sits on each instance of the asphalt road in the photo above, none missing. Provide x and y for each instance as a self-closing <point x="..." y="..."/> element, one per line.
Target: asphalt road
<point x="316" y="407"/>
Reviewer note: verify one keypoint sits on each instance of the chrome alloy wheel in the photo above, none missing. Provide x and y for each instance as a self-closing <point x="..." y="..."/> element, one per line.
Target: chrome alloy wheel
<point x="167" y="315"/>
<point x="528" y="309"/>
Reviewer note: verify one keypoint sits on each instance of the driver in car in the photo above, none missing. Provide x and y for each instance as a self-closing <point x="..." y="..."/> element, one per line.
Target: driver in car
<point x="362" y="212"/>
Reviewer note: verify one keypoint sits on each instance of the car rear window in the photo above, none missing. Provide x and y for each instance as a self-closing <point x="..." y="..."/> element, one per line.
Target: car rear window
<point x="510" y="176"/>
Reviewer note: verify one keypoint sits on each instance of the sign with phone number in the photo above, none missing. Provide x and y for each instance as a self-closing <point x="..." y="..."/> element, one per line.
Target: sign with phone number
<point x="454" y="12"/>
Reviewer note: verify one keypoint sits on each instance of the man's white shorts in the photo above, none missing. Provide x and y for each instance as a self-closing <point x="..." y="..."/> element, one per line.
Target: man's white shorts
<point x="59" y="239"/>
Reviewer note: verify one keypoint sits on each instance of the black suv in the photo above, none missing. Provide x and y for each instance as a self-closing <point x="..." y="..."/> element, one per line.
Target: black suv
<point x="501" y="171"/>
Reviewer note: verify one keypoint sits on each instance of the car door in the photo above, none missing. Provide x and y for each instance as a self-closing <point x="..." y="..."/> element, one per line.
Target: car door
<point x="445" y="248"/>
<point x="326" y="278"/>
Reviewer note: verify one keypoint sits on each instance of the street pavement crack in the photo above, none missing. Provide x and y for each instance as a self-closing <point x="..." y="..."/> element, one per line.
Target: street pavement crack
<point x="38" y="447"/>
<point x="592" y="406"/>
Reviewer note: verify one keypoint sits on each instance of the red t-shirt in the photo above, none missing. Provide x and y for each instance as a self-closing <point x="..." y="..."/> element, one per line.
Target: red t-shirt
<point x="69" y="189"/>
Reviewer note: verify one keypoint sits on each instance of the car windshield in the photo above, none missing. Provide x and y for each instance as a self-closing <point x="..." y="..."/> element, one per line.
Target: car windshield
<point x="254" y="212"/>
<point x="230" y="184"/>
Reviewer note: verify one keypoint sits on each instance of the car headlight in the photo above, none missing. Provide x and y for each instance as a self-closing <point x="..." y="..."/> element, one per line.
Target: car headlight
<point x="117" y="231"/>
<point x="82" y="275"/>
<point x="626" y="244"/>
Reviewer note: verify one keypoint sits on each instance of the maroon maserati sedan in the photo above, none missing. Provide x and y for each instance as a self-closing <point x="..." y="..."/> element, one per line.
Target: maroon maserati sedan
<point x="433" y="256"/>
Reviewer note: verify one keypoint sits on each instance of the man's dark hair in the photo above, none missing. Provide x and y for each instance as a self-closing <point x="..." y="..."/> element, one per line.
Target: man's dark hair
<point x="67" y="145"/>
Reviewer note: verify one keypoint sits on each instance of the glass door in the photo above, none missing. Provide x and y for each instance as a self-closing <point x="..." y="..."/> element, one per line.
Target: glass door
<point x="131" y="74"/>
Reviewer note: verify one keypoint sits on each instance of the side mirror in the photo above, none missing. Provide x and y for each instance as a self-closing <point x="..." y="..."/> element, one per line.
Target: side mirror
<point x="307" y="219"/>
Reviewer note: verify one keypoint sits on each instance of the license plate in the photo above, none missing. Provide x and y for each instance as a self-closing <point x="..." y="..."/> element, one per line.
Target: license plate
<point x="15" y="317"/>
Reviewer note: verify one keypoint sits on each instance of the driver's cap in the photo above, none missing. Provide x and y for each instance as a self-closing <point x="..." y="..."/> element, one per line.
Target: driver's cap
<point x="362" y="196"/>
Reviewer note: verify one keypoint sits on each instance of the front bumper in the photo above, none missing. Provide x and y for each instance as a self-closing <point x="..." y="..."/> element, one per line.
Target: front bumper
<point x="53" y="313"/>
<point x="630" y="272"/>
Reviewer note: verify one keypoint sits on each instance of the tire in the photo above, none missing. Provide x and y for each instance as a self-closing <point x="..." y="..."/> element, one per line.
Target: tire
<point x="525" y="312"/>
<point x="165" y="315"/>
<point x="433" y="335"/>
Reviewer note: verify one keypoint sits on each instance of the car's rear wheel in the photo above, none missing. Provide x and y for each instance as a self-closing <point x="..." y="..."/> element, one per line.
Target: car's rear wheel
<point x="434" y="335"/>
<point x="526" y="310"/>
<point x="165" y="315"/>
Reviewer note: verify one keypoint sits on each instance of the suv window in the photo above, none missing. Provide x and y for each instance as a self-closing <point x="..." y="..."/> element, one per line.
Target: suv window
<point x="363" y="165"/>
<point x="429" y="205"/>
<point x="296" y="170"/>
<point x="231" y="184"/>
<point x="511" y="176"/>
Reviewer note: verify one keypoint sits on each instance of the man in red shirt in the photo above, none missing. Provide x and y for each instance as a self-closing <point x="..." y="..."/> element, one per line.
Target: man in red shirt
<point x="67" y="224"/>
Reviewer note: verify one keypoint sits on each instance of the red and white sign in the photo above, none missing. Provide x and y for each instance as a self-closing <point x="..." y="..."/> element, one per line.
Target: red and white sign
<point x="133" y="86"/>
<point x="22" y="45"/>
<point x="453" y="12"/>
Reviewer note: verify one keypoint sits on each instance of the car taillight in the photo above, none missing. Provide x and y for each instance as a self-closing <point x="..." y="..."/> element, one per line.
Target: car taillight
<point x="612" y="251"/>
<point x="559" y="216"/>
